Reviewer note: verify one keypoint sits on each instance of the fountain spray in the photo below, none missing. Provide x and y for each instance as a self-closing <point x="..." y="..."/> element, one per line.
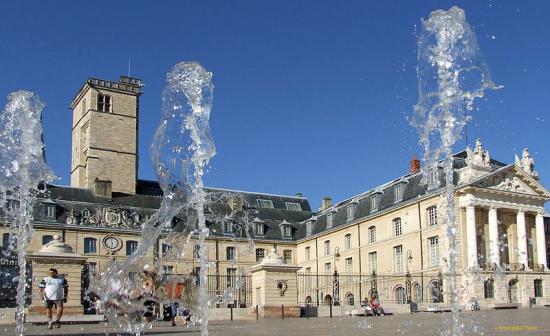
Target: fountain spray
<point x="451" y="74"/>
<point x="22" y="168"/>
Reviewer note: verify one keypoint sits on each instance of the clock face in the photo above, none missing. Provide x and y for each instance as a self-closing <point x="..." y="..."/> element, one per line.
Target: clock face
<point x="111" y="243"/>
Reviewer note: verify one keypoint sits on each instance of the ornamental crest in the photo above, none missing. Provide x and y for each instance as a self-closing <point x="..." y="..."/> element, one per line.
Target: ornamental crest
<point x="282" y="286"/>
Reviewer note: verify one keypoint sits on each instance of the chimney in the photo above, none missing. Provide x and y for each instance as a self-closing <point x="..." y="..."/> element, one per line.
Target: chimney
<point x="103" y="187"/>
<point x="327" y="203"/>
<point x="415" y="165"/>
<point x="299" y="195"/>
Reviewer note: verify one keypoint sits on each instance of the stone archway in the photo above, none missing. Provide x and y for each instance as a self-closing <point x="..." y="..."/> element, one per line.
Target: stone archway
<point x="327" y="300"/>
<point x="512" y="288"/>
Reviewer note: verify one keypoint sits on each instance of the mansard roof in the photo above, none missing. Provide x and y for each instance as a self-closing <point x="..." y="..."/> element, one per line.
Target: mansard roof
<point x="129" y="211"/>
<point x="413" y="188"/>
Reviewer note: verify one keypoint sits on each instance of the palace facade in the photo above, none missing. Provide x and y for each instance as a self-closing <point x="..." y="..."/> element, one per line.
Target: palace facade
<point x="390" y="241"/>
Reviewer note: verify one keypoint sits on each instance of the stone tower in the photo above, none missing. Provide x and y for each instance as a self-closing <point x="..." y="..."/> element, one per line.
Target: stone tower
<point x="104" y="135"/>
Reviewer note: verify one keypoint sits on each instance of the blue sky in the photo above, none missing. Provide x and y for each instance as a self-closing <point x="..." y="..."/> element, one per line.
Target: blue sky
<point x="310" y="96"/>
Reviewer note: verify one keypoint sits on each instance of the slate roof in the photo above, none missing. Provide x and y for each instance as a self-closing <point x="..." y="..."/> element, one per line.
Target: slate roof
<point x="148" y="199"/>
<point x="413" y="188"/>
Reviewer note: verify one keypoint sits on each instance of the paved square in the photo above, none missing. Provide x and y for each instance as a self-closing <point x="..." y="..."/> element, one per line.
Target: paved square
<point x="504" y="322"/>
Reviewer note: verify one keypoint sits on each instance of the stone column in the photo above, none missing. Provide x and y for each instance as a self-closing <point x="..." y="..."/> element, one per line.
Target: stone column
<point x="471" y="239"/>
<point x="493" y="237"/>
<point x="541" y="242"/>
<point x="522" y="239"/>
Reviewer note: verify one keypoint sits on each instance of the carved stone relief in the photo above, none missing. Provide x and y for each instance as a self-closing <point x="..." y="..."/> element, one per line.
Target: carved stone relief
<point x="110" y="217"/>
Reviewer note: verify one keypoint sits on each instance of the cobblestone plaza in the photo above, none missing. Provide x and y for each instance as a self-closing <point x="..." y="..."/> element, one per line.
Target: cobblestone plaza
<point x="490" y="322"/>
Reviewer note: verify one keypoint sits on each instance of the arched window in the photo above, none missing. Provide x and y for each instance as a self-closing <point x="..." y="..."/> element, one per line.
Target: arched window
<point x="350" y="299"/>
<point x="131" y="247"/>
<point x="90" y="245"/>
<point x="328" y="300"/>
<point x="309" y="301"/>
<point x="435" y="291"/>
<point x="400" y="296"/>
<point x="46" y="239"/>
<point x="489" y="288"/>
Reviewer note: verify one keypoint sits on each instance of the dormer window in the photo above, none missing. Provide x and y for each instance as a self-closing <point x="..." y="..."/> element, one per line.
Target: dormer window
<point x="309" y="225"/>
<point x="286" y="229"/>
<point x="293" y="206"/>
<point x="258" y="226"/>
<point x="50" y="211"/>
<point x="375" y="202"/>
<point x="228" y="227"/>
<point x="398" y="193"/>
<point x="329" y="220"/>
<point x="103" y="103"/>
<point x="265" y="204"/>
<point x="351" y="210"/>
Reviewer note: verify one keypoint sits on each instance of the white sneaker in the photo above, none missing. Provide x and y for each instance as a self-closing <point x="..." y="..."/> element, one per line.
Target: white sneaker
<point x="50" y="325"/>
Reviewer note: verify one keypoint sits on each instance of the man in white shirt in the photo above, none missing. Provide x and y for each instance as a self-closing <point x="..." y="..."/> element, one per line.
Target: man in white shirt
<point x="54" y="290"/>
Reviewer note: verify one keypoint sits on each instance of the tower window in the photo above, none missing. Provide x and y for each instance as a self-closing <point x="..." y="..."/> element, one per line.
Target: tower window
<point x="103" y="103"/>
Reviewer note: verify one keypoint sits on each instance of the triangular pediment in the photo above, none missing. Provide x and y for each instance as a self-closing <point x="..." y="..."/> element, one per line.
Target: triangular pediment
<point x="511" y="179"/>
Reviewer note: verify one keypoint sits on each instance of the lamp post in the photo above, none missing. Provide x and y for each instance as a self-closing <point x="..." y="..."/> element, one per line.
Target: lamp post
<point x="408" y="286"/>
<point x="336" y="281"/>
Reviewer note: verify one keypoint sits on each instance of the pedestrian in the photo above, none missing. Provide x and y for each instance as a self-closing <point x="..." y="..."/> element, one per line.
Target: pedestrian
<point x="54" y="291"/>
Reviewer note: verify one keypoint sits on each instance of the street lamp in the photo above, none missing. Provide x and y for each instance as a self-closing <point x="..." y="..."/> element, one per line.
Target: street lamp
<point x="336" y="281"/>
<point x="408" y="285"/>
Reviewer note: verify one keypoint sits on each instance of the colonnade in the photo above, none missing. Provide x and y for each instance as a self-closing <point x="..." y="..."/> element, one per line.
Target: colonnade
<point x="494" y="248"/>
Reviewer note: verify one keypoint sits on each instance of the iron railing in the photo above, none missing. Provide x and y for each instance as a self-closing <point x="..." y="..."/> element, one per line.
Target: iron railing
<point x="319" y="289"/>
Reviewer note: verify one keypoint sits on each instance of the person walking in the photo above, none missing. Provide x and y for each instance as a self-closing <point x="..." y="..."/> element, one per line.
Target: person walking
<point x="54" y="291"/>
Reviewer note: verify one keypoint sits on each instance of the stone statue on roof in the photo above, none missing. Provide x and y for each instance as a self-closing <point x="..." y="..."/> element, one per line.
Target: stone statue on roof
<point x="478" y="156"/>
<point x="527" y="163"/>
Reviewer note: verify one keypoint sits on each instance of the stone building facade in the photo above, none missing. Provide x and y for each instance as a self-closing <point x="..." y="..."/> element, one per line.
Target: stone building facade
<point x="390" y="241"/>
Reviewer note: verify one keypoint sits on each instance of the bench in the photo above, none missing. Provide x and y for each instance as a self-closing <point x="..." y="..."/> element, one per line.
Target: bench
<point x="506" y="306"/>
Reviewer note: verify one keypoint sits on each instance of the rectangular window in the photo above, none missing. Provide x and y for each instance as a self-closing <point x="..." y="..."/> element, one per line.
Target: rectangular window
<point x="90" y="245"/>
<point x="373" y="203"/>
<point x="230" y="253"/>
<point x="433" y="251"/>
<point x="538" y="287"/>
<point x="329" y="220"/>
<point x="231" y="277"/>
<point x="293" y="206"/>
<point x="309" y="228"/>
<point x="349" y="265"/>
<point x="432" y="215"/>
<point x="372" y="234"/>
<point x="309" y="279"/>
<point x="167" y="269"/>
<point x="327" y="247"/>
<point x="397" y="230"/>
<point x="259" y="229"/>
<point x="103" y="103"/>
<point x="287" y="255"/>
<point x="308" y="253"/>
<point x="398" y="193"/>
<point x="398" y="258"/>
<point x="50" y="211"/>
<point x="351" y="209"/>
<point x="347" y="241"/>
<point x="286" y="230"/>
<point x="372" y="262"/>
<point x="265" y="203"/>
<point x="131" y="247"/>
<point x="328" y="268"/>
<point x="165" y="249"/>
<point x="227" y="226"/>
<point x="260" y="254"/>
